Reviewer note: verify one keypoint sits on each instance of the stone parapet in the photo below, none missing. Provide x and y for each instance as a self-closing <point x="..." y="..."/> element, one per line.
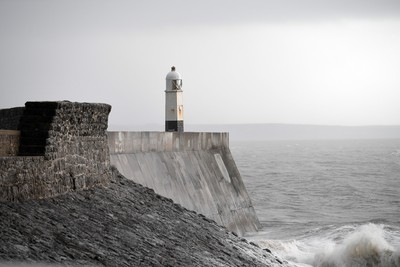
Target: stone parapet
<point x="10" y="117"/>
<point x="9" y="143"/>
<point x="63" y="148"/>
<point x="133" y="142"/>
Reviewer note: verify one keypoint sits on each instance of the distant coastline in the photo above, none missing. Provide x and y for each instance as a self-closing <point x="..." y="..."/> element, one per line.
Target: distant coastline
<point x="277" y="131"/>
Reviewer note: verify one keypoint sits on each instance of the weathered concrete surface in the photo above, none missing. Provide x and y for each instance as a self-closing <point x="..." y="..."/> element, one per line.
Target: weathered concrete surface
<point x="125" y="224"/>
<point x="196" y="170"/>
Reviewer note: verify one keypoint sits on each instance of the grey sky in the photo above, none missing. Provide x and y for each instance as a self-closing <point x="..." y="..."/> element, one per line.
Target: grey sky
<point x="314" y="62"/>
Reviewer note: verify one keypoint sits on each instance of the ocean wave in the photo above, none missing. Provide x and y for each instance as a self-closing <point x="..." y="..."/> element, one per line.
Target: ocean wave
<point x="365" y="245"/>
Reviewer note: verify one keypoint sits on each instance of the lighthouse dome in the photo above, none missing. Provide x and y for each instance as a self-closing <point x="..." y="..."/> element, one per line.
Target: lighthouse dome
<point x="173" y="75"/>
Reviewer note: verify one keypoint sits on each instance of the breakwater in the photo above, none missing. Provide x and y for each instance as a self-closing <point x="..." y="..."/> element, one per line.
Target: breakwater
<point x="195" y="170"/>
<point x="123" y="224"/>
<point x="51" y="148"/>
<point x="61" y="201"/>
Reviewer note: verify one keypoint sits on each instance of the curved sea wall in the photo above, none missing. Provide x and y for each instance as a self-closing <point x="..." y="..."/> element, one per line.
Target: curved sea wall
<point x="195" y="170"/>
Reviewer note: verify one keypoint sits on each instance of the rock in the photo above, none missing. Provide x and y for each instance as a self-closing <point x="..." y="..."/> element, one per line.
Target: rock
<point x="121" y="225"/>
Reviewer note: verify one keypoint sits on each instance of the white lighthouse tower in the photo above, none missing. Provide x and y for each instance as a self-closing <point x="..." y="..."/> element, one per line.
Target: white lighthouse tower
<point x="173" y="102"/>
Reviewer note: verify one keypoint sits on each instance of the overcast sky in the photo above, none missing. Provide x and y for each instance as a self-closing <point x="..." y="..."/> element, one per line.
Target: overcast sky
<point x="289" y="61"/>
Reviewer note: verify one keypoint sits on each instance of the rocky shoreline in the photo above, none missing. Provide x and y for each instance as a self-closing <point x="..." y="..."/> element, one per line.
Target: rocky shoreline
<point x="122" y="224"/>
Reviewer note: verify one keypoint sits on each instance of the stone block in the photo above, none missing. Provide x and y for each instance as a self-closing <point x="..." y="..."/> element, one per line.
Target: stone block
<point x="9" y="143"/>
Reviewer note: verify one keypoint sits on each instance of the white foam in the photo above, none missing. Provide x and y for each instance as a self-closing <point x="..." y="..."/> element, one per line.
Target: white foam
<point x="293" y="250"/>
<point x="365" y="246"/>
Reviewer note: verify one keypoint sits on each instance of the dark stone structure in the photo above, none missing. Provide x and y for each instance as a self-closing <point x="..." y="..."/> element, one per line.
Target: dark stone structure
<point x="9" y="143"/>
<point x="9" y="118"/>
<point x="174" y="126"/>
<point x="34" y="125"/>
<point x="124" y="224"/>
<point x="63" y="147"/>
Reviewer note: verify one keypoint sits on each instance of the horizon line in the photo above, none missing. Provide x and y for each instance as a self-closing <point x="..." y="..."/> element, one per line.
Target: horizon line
<point x="262" y="123"/>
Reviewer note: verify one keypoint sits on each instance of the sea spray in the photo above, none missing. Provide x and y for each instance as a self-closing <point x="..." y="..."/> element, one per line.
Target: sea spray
<point x="293" y="250"/>
<point x="366" y="246"/>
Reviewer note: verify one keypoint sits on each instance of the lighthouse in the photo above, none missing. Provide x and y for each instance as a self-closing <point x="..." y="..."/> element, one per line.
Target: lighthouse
<point x="173" y="102"/>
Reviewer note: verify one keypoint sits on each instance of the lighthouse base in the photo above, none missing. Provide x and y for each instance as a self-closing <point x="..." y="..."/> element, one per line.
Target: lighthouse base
<point x="174" y="126"/>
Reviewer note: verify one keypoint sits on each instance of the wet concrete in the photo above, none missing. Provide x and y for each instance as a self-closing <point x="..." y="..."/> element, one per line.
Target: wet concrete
<point x="195" y="170"/>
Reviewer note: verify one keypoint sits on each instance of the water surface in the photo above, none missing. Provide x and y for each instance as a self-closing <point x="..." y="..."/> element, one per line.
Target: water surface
<point x="318" y="198"/>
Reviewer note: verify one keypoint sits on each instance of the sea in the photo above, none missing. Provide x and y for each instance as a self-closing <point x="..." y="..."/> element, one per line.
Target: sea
<point x="325" y="202"/>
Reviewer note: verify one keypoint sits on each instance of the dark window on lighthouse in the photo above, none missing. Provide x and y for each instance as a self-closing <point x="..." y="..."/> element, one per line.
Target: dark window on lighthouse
<point x="176" y="84"/>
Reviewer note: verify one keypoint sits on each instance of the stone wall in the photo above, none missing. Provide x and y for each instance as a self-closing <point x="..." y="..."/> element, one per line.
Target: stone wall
<point x="195" y="170"/>
<point x="9" y="118"/>
<point x="34" y="125"/>
<point x="73" y="154"/>
<point x="9" y="143"/>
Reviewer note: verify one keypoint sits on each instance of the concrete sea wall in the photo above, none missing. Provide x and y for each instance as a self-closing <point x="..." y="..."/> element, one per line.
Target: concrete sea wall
<point x="195" y="170"/>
